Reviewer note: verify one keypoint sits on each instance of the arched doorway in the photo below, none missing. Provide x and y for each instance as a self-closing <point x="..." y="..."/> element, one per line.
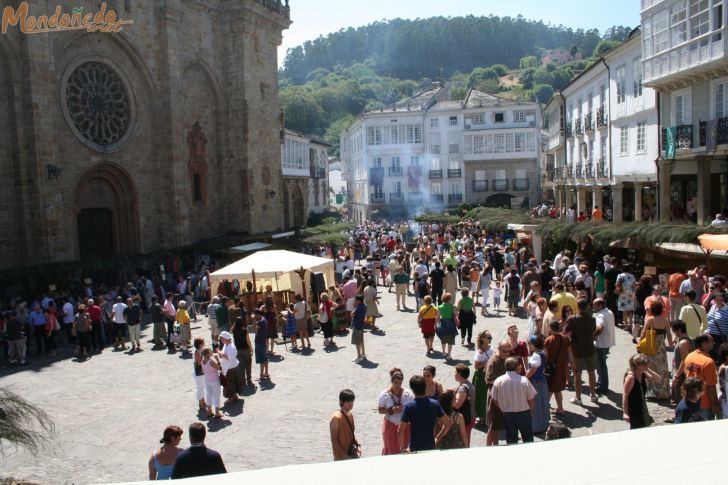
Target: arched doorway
<point x="106" y="205"/>
<point x="499" y="200"/>
<point x="298" y="207"/>
<point x="286" y="207"/>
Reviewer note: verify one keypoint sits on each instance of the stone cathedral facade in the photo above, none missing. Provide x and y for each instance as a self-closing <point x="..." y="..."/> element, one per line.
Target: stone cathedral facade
<point x="154" y="137"/>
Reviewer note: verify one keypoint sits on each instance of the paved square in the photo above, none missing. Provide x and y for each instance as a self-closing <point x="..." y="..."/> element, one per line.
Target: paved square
<point x="111" y="410"/>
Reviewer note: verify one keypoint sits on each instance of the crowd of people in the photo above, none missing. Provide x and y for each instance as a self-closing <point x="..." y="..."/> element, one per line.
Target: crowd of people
<point x="574" y="304"/>
<point x="445" y="277"/>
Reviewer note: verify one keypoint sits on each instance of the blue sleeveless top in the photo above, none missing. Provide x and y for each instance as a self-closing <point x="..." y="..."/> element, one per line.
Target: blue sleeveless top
<point x="164" y="472"/>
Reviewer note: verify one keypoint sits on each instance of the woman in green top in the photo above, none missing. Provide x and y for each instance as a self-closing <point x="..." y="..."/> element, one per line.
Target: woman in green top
<point x="466" y="315"/>
<point x="599" y="285"/>
<point x="446" y="329"/>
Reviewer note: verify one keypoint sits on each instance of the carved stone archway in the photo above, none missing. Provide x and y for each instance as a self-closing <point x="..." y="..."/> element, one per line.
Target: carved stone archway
<point x="106" y="212"/>
<point x="299" y="207"/>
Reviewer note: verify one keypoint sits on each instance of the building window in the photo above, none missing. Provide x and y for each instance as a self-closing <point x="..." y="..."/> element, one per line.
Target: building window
<point x="453" y="121"/>
<point x="678" y="23"/>
<point x="395" y="162"/>
<point x="647" y="38"/>
<point x="436" y="165"/>
<point x="603" y="147"/>
<point x="414" y="134"/>
<point x="499" y="117"/>
<point x="660" y="32"/>
<point x="682" y="108"/>
<point x="480" y="175"/>
<point x="434" y="122"/>
<point x="394" y="137"/>
<point x="436" y="188"/>
<point x="479" y="118"/>
<point x="621" y="88"/>
<point x="455" y="188"/>
<point x="637" y="73"/>
<point x="454" y="164"/>
<point x="378" y="191"/>
<point x="499" y="142"/>
<point x="398" y="187"/>
<point x="623" y="140"/>
<point x="454" y="148"/>
<point x="377" y="162"/>
<point x="720" y="89"/>
<point x="519" y="116"/>
<point x="415" y="161"/>
<point x="478" y="144"/>
<point x="699" y="17"/>
<point x="641" y="132"/>
<point x="520" y="142"/>
<point x="500" y="174"/>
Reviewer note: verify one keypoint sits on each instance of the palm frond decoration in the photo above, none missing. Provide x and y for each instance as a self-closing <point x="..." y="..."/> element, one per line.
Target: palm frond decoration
<point x="23" y="425"/>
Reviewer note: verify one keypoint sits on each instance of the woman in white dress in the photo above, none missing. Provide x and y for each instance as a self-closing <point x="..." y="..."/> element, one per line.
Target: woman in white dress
<point x="625" y="289"/>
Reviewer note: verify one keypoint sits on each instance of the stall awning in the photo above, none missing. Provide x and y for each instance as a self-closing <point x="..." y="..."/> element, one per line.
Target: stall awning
<point x="269" y="264"/>
<point x="247" y="248"/>
<point x="714" y="242"/>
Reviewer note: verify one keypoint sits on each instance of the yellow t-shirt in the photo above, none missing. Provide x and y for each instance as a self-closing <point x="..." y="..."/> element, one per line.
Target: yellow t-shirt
<point x="182" y="317"/>
<point x="428" y="311"/>
<point x="564" y="298"/>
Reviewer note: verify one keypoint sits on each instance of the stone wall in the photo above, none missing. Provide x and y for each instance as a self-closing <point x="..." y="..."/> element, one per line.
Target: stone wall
<point x="182" y="62"/>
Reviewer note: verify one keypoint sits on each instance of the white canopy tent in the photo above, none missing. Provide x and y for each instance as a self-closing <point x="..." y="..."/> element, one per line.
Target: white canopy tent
<point x="276" y="268"/>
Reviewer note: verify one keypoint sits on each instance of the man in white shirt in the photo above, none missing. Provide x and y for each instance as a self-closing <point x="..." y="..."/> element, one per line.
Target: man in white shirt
<point x="119" y="319"/>
<point x="421" y="269"/>
<point x="514" y="395"/>
<point x="603" y="339"/>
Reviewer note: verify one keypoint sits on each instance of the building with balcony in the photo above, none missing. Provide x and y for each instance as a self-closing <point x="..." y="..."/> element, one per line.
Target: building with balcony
<point x="601" y="138"/>
<point x="684" y="60"/>
<point x="305" y="181"/>
<point x="429" y="152"/>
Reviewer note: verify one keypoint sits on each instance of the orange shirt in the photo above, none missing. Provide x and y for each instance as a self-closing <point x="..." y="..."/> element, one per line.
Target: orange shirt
<point x="674" y="282"/>
<point x="597" y="214"/>
<point x="699" y="364"/>
<point x="665" y="305"/>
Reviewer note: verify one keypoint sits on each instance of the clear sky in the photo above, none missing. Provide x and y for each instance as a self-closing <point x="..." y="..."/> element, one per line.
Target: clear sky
<point x="312" y="18"/>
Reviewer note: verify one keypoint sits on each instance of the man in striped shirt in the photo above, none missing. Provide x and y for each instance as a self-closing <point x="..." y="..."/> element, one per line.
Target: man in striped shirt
<point x="514" y="395"/>
<point x="718" y="322"/>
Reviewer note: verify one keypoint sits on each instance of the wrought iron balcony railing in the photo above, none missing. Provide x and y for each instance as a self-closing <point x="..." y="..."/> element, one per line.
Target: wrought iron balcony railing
<point x="435" y="174"/>
<point x="480" y="185"/>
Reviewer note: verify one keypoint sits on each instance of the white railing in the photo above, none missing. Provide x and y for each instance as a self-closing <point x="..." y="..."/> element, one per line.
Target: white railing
<point x="683" y="57"/>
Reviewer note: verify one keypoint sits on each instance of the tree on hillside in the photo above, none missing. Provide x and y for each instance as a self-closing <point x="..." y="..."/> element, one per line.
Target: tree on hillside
<point x="528" y="62"/>
<point x="434" y="47"/>
<point x="604" y="46"/>
<point x="480" y="74"/>
<point x="302" y="111"/>
<point x="617" y="32"/>
<point x="543" y="93"/>
<point x="333" y="133"/>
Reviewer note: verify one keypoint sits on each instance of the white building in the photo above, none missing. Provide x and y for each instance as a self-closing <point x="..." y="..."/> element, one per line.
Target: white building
<point x="337" y="185"/>
<point x="684" y="59"/>
<point x="304" y="186"/>
<point x="601" y="138"/>
<point x="429" y="152"/>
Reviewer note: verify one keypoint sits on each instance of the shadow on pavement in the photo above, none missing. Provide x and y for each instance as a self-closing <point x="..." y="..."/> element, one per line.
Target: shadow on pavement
<point x="267" y="385"/>
<point x="216" y="424"/>
<point x="236" y="408"/>
<point x="367" y="364"/>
